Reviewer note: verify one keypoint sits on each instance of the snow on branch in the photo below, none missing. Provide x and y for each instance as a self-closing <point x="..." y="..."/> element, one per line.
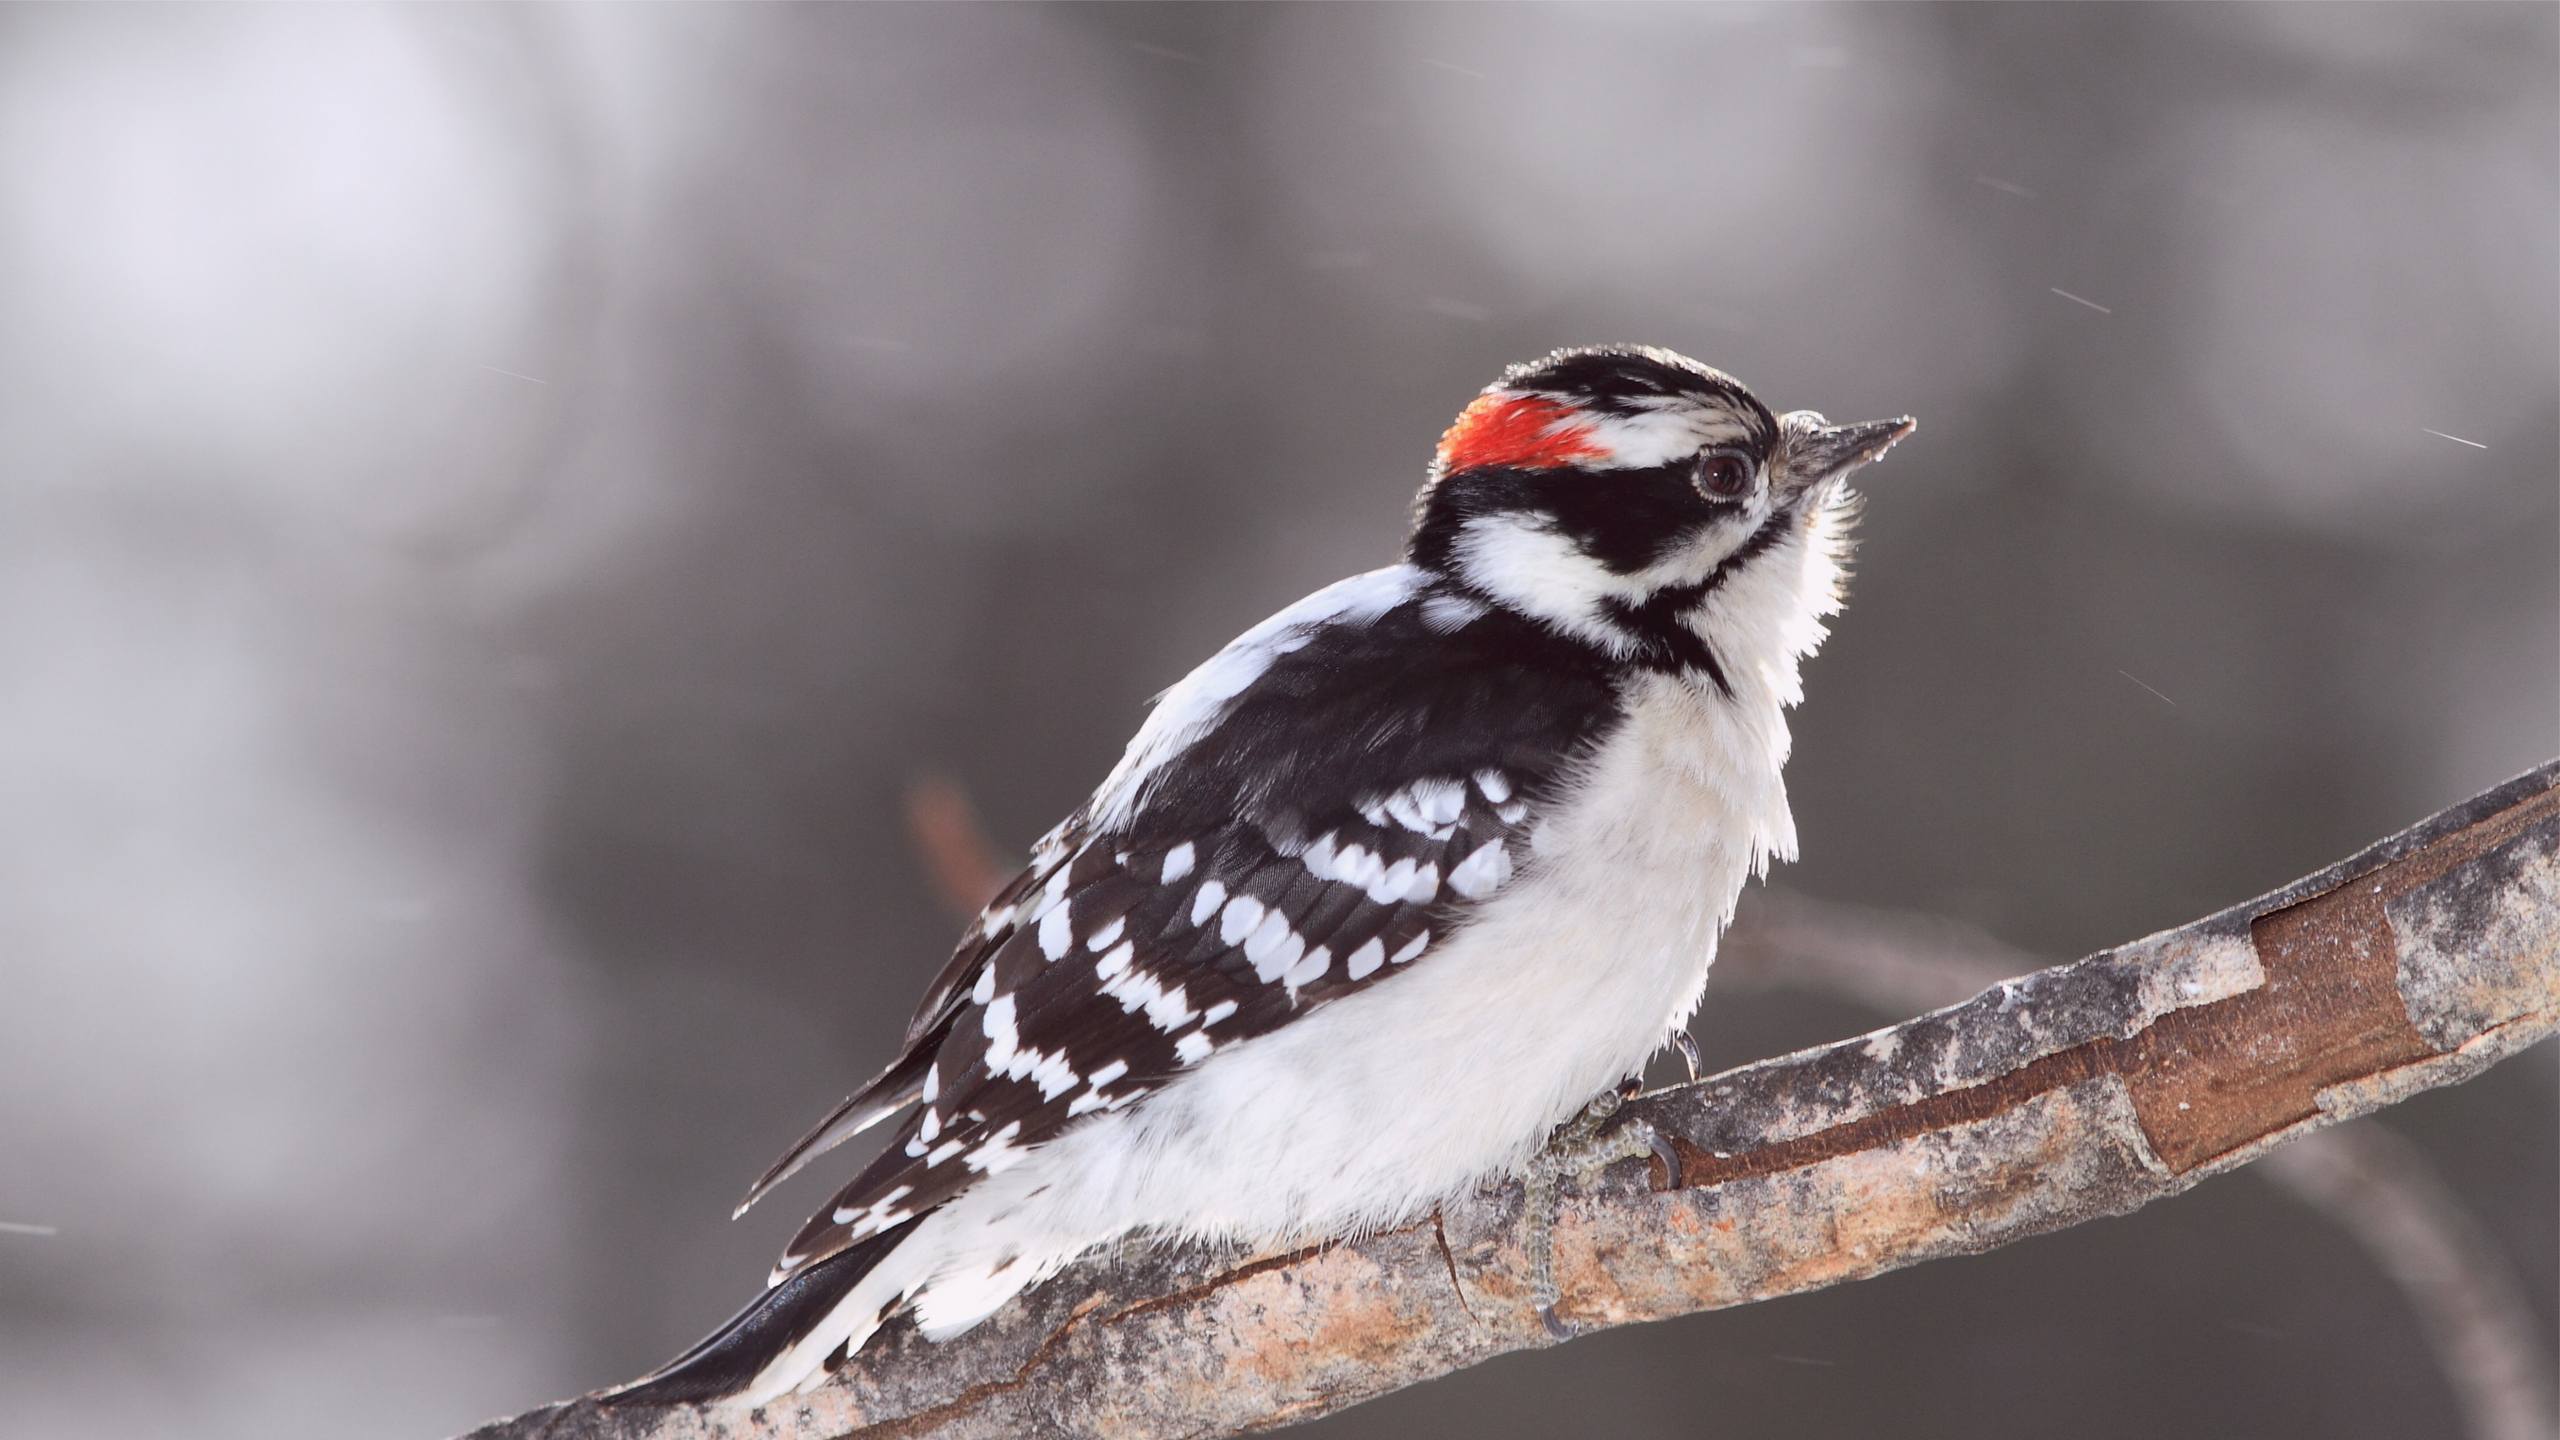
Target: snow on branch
<point x="2061" y="1096"/>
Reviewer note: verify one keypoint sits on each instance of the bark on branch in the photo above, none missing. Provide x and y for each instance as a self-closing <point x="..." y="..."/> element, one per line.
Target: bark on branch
<point x="2081" y="1091"/>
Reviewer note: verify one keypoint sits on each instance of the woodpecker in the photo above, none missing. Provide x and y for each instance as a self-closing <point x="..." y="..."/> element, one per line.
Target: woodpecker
<point x="1379" y="895"/>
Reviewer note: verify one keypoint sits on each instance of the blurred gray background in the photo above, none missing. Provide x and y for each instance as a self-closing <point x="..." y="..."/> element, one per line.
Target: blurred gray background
<point x="496" y="505"/>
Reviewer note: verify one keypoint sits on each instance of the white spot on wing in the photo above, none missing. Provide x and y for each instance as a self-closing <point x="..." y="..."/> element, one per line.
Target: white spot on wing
<point x="1108" y="935"/>
<point x="1443" y="801"/>
<point x="997" y="1153"/>
<point x="1412" y="947"/>
<point x="1134" y="989"/>
<point x="1406" y="806"/>
<point x="1356" y="866"/>
<point x="1309" y="970"/>
<point x="1481" y="873"/>
<point x="1170" y="1011"/>
<point x="1054" y="1076"/>
<point x="1206" y="903"/>
<point x="997" y="1022"/>
<point x="1319" y="857"/>
<point x="1241" y="915"/>
<point x="1193" y="1048"/>
<point x="1178" y="861"/>
<point x="876" y="1214"/>
<point x="1057" y="931"/>
<point x="1389" y="886"/>
<point x="1365" y="961"/>
<point x="1272" y="946"/>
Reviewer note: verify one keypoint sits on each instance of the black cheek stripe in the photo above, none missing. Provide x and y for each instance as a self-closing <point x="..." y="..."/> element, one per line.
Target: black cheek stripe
<point x="1664" y="642"/>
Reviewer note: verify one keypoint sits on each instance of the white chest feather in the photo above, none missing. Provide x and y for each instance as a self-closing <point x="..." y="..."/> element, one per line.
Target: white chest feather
<point x="1572" y="977"/>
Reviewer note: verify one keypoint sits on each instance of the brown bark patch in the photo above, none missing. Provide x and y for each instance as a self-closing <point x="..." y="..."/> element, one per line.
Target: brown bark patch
<point x="2215" y="1077"/>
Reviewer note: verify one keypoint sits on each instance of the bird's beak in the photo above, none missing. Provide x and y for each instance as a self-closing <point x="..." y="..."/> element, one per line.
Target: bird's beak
<point x="1812" y="450"/>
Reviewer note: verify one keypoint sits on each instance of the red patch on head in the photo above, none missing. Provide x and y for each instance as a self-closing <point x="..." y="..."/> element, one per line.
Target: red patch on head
<point x="1520" y="432"/>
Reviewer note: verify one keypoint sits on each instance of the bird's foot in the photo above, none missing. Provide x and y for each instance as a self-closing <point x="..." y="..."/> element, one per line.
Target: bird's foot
<point x="1599" y="1137"/>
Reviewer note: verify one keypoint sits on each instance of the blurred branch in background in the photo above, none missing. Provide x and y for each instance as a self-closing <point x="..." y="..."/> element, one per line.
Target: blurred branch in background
<point x="2074" y="1093"/>
<point x="2382" y="1192"/>
<point x="952" y="845"/>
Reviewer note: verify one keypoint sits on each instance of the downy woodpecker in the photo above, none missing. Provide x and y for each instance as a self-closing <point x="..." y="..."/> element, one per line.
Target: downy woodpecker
<point x="1379" y="894"/>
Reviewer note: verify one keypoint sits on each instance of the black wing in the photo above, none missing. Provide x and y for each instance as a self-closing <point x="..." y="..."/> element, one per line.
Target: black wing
<point x="1334" y="821"/>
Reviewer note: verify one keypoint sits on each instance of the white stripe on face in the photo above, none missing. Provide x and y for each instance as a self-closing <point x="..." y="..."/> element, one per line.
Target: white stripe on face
<point x="1667" y="430"/>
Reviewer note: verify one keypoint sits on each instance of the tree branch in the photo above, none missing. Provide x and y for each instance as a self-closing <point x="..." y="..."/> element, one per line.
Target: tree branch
<point x="2072" y="1093"/>
<point x="2377" y="1188"/>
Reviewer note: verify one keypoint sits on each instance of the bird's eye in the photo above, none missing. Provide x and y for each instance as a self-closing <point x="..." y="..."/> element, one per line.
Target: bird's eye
<point x="1724" y="477"/>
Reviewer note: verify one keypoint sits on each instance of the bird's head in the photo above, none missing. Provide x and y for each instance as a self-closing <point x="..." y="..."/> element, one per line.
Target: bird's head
<point x="1648" y="505"/>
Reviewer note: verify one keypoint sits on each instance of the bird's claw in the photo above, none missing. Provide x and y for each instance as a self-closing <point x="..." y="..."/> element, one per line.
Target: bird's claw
<point x="1582" y="1147"/>
<point x="1687" y="1045"/>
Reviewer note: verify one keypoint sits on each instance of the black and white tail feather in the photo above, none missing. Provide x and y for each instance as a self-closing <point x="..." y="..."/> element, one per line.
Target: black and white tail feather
<point x="1382" y="892"/>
